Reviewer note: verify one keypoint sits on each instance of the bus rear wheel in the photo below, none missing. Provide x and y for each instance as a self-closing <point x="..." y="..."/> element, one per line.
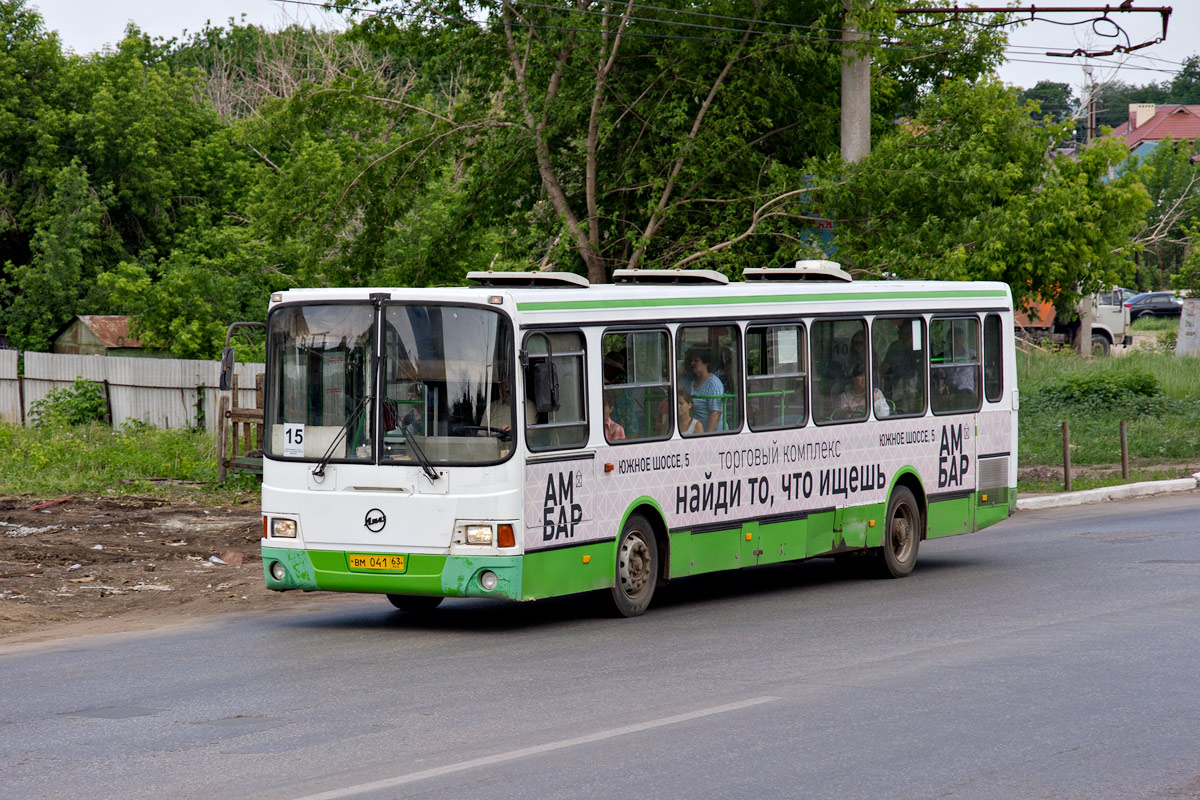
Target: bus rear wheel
<point x="902" y="537"/>
<point x="415" y="604"/>
<point x="637" y="567"/>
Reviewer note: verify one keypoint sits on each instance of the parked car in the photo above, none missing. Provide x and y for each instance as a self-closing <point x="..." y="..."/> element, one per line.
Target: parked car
<point x="1153" y="304"/>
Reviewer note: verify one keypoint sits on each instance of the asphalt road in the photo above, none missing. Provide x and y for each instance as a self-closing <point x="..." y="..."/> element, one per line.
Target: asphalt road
<point x="1054" y="656"/>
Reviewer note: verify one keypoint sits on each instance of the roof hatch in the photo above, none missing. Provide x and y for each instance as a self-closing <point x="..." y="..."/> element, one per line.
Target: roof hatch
<point x="800" y="271"/>
<point x="676" y="276"/>
<point x="561" y="280"/>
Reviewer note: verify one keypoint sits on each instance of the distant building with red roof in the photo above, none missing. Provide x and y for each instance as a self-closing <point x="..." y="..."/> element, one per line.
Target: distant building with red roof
<point x="100" y="336"/>
<point x="1149" y="124"/>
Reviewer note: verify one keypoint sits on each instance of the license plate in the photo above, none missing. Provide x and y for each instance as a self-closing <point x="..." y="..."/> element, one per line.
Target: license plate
<point x="373" y="562"/>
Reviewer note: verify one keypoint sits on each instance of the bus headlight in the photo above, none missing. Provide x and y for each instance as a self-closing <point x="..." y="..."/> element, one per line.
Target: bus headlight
<point x="283" y="528"/>
<point x="479" y="534"/>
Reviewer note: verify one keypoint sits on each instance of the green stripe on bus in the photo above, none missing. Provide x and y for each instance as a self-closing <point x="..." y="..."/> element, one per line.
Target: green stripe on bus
<point x="654" y="302"/>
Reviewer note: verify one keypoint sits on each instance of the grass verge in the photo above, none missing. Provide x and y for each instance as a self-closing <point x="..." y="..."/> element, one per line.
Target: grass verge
<point x="138" y="460"/>
<point x="1157" y="395"/>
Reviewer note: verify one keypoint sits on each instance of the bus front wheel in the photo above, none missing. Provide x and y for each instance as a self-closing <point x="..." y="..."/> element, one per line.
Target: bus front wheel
<point x="414" y="604"/>
<point x="902" y="537"/>
<point x="637" y="567"/>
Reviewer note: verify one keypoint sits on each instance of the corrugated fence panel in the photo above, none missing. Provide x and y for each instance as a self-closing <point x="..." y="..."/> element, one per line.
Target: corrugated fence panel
<point x="47" y="371"/>
<point x="159" y="391"/>
<point x="163" y="392"/>
<point x="10" y="391"/>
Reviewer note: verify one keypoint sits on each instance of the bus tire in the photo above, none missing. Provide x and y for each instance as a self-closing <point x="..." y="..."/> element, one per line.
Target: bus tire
<point x="902" y="536"/>
<point x="636" y="568"/>
<point x="415" y="604"/>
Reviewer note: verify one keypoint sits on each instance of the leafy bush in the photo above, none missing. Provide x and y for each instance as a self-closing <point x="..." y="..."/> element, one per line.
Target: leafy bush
<point x="1165" y="340"/>
<point x="1101" y="391"/>
<point x="78" y="404"/>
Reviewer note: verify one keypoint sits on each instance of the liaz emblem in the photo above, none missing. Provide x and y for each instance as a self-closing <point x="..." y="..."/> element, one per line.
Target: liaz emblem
<point x="375" y="520"/>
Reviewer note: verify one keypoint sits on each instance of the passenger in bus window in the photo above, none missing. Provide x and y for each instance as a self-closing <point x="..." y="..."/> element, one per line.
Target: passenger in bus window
<point x="706" y="389"/>
<point x="856" y="356"/>
<point x="687" y="425"/>
<point x="614" y="368"/>
<point x="853" y="401"/>
<point x="880" y="403"/>
<point x="613" y="431"/>
<point x="901" y="364"/>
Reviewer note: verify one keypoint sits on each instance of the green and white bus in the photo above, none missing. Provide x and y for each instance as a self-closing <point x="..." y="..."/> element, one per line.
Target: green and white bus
<point x="533" y="435"/>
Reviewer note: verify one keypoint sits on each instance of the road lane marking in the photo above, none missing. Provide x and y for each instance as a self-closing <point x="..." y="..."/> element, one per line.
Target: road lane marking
<point x="525" y="752"/>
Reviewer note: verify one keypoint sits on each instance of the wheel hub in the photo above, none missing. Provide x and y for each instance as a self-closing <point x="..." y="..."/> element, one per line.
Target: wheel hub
<point x="633" y="567"/>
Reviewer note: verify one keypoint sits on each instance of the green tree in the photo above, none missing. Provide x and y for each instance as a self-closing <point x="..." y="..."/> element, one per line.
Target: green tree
<point x="1172" y="179"/>
<point x="30" y="65"/>
<point x="44" y="294"/>
<point x="1185" y="86"/>
<point x="966" y="191"/>
<point x="657" y="136"/>
<point x="1056" y="101"/>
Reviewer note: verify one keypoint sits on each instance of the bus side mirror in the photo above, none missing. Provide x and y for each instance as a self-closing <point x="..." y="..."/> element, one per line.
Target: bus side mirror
<point x="227" y="359"/>
<point x="545" y="386"/>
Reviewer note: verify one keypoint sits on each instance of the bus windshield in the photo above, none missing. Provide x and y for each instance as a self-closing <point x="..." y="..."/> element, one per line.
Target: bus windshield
<point x="444" y="377"/>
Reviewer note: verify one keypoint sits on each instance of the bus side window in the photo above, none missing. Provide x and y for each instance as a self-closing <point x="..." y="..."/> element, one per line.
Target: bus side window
<point x="839" y="359"/>
<point x="776" y="377"/>
<point x="637" y="386"/>
<point x="710" y="371"/>
<point x="954" y="365"/>
<point x="993" y="359"/>
<point x="568" y="425"/>
<point x="899" y="357"/>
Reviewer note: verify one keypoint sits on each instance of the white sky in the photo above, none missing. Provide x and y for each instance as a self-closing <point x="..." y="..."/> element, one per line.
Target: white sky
<point x="87" y="25"/>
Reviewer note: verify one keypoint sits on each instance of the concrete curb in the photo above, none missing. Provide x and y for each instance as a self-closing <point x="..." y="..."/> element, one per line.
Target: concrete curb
<point x="1144" y="489"/>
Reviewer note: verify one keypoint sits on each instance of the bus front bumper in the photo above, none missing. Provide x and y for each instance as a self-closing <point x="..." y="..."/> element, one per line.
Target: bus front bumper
<point x="422" y="574"/>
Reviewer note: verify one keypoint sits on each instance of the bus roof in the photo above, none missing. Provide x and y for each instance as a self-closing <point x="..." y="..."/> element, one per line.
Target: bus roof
<point x="597" y="302"/>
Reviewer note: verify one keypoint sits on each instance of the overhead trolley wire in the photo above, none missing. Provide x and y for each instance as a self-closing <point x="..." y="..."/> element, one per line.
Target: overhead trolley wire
<point x="873" y="41"/>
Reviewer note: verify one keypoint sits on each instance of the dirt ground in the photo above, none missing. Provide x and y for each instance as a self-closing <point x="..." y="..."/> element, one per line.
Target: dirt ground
<point x="88" y="565"/>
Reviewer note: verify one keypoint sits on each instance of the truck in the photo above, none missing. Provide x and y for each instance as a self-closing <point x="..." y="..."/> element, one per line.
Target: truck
<point x="1110" y="324"/>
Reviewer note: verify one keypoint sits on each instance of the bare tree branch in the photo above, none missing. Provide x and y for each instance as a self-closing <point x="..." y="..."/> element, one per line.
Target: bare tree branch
<point x="766" y="211"/>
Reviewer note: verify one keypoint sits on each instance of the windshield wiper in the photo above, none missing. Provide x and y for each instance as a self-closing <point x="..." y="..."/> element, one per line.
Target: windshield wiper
<point x="319" y="470"/>
<point x="410" y="437"/>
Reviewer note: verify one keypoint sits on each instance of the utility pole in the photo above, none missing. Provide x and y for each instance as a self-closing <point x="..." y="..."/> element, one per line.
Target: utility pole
<point x="856" y="87"/>
<point x="1090" y="123"/>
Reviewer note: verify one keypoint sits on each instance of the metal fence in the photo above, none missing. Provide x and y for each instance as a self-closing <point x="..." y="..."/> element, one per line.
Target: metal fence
<point x="166" y="393"/>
